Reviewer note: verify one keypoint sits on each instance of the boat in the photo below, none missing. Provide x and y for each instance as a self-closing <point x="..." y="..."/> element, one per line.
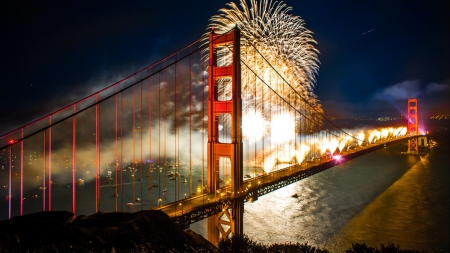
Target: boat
<point x="165" y="190"/>
<point x="185" y="181"/>
<point x="155" y="185"/>
<point x="172" y="178"/>
<point x="133" y="204"/>
<point x="294" y="195"/>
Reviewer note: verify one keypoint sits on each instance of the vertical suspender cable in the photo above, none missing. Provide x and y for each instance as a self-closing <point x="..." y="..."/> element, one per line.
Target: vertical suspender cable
<point x="159" y="137"/>
<point x="203" y="137"/>
<point x="175" y="136"/>
<point x="133" y="131"/>
<point x="141" y="129"/>
<point x="121" y="151"/>
<point x="116" y="158"/>
<point x="270" y="118"/>
<point x="44" y="168"/>
<point x="21" y="171"/>
<point x="177" y="79"/>
<point x="150" y="170"/>
<point x="74" y="159"/>
<point x="50" y="164"/>
<point x="179" y="126"/>
<point x="254" y="140"/>
<point x="9" y="182"/>
<point x="296" y="149"/>
<point x="190" y="117"/>
<point x="97" y="155"/>
<point x="165" y="133"/>
<point x="263" y="114"/>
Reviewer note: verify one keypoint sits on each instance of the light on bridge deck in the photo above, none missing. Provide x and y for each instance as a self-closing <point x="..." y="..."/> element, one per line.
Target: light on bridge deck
<point x="337" y="157"/>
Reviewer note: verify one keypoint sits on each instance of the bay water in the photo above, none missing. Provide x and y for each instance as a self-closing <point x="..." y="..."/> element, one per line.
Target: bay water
<point x="381" y="197"/>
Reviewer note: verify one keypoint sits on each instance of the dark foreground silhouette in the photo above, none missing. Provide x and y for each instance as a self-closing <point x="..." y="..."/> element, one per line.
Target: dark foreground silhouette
<point x="144" y="231"/>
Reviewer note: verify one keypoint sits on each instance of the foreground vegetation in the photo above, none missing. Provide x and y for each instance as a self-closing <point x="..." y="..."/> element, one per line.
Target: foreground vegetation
<point x="143" y="231"/>
<point x="243" y="244"/>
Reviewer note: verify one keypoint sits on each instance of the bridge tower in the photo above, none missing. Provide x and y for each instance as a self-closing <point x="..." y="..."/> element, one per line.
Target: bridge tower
<point x="413" y="125"/>
<point x="230" y="220"/>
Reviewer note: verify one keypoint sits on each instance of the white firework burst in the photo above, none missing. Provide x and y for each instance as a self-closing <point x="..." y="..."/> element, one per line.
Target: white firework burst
<point x="277" y="34"/>
<point x="282" y="39"/>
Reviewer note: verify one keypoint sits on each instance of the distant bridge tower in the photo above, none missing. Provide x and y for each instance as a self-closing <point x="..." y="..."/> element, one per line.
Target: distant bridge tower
<point x="413" y="125"/>
<point x="230" y="220"/>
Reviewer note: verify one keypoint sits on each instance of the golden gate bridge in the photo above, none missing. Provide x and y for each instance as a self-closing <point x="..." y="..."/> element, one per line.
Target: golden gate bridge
<point x="195" y="134"/>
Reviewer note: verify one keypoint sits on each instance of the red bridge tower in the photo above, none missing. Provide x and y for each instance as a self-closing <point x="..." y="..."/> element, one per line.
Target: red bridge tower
<point x="230" y="220"/>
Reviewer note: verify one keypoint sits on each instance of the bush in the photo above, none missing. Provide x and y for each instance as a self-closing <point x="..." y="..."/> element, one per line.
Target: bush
<point x="241" y="243"/>
<point x="390" y="248"/>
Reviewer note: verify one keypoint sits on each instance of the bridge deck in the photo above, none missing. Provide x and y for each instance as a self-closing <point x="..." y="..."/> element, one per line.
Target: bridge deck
<point x="190" y="210"/>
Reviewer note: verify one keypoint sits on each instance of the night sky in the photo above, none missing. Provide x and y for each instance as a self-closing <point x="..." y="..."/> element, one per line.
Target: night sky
<point x="374" y="54"/>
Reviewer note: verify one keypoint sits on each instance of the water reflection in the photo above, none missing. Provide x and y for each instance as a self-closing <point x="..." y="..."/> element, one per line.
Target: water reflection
<point x="378" y="198"/>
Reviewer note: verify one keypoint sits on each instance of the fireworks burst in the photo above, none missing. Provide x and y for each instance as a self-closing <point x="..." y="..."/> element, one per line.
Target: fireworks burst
<point x="269" y="31"/>
<point x="278" y="57"/>
<point x="281" y="38"/>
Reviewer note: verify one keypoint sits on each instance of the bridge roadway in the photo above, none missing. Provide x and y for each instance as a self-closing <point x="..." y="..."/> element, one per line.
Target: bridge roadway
<point x="187" y="211"/>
